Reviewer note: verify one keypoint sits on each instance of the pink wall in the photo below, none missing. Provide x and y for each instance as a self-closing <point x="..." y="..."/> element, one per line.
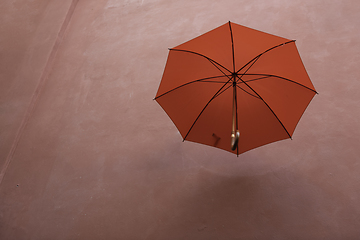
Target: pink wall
<point x="85" y="153"/>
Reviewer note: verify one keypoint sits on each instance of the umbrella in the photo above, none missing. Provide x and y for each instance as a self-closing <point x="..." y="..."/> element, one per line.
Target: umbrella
<point x="235" y="88"/>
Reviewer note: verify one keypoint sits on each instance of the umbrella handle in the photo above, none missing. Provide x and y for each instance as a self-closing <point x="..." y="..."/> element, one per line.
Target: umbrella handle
<point x="234" y="139"/>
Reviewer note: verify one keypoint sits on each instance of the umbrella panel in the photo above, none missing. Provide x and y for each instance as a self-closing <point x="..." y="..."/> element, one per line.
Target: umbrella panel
<point x="284" y="62"/>
<point x="185" y="104"/>
<point x="286" y="100"/>
<point x="187" y="68"/>
<point x="249" y="43"/>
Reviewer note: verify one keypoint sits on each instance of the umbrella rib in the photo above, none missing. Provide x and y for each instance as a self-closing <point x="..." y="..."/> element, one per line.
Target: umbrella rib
<point x="213" y="82"/>
<point x="211" y="60"/>
<point x="238" y="87"/>
<point x="207" y="104"/>
<point x="255" y="79"/>
<point x="264" y="53"/>
<point x="198" y="80"/>
<point x="223" y="91"/>
<point x="247" y="91"/>
<point x="283" y="78"/>
<point x="213" y="63"/>
<point x="255" y="60"/>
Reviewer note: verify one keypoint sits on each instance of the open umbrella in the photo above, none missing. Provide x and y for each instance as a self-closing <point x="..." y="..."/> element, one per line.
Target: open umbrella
<point x="235" y="88"/>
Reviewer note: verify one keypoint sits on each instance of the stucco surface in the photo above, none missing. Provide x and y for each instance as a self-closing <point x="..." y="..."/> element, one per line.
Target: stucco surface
<point x="85" y="153"/>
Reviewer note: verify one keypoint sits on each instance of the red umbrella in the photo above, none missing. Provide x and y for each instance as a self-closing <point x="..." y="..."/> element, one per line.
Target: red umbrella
<point x="235" y="88"/>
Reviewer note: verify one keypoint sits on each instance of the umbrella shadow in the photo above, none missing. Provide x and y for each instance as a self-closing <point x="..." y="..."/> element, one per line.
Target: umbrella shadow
<point x="271" y="206"/>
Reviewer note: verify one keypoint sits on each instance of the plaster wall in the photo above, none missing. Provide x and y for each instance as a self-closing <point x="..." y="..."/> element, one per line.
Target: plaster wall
<point x="85" y="153"/>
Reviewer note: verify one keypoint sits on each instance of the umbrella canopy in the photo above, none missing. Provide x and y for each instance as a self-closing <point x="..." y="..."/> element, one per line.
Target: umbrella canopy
<point x="235" y="88"/>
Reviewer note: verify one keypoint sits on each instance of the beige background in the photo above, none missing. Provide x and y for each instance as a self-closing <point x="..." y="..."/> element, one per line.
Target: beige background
<point x="85" y="153"/>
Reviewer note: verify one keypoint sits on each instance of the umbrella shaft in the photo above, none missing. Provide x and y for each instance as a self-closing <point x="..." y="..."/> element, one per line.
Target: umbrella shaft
<point x="234" y="131"/>
<point x="234" y="118"/>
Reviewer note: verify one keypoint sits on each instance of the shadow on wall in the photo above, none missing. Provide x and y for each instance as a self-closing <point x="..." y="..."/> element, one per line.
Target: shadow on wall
<point x="152" y="197"/>
<point x="260" y="207"/>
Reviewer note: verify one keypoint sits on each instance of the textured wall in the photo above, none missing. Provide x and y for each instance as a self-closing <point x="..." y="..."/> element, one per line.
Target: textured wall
<point x="85" y="153"/>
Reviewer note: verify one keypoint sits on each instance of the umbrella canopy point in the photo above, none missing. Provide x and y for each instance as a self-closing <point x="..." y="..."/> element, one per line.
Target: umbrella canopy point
<point x="235" y="79"/>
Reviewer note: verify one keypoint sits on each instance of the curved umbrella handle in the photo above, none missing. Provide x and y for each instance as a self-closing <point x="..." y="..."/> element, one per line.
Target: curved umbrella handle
<point x="234" y="139"/>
